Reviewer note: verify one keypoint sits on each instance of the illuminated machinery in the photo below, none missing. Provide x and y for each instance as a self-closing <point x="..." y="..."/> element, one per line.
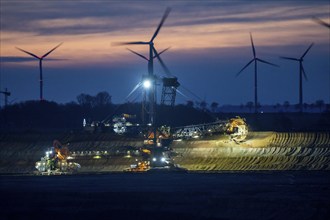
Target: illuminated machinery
<point x="55" y="161"/>
<point x="143" y="164"/>
<point x="149" y="83"/>
<point x="154" y="156"/>
<point x="123" y="124"/>
<point x="153" y="137"/>
<point x="236" y="128"/>
<point x="149" y="100"/>
<point x="170" y="86"/>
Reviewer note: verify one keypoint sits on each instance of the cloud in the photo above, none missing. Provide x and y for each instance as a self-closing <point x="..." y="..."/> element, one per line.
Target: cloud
<point x="24" y="59"/>
<point x="207" y="38"/>
<point x="82" y="17"/>
<point x="16" y="59"/>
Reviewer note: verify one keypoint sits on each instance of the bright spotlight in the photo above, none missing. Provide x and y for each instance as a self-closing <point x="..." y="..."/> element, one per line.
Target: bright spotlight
<point x="146" y="84"/>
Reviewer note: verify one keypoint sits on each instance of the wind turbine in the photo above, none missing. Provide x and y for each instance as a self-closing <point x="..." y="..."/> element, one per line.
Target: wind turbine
<point x="152" y="51"/>
<point x="255" y="60"/>
<point x="301" y="73"/>
<point x="319" y="21"/>
<point x="143" y="57"/>
<point x="40" y="65"/>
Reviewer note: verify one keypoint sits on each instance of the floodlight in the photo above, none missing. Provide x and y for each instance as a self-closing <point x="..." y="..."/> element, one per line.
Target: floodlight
<point x="146" y="84"/>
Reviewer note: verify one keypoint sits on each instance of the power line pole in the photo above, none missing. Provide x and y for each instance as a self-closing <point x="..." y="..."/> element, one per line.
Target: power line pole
<point x="6" y="94"/>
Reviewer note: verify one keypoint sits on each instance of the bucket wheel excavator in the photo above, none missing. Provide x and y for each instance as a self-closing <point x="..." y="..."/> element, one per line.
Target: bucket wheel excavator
<point x="56" y="161"/>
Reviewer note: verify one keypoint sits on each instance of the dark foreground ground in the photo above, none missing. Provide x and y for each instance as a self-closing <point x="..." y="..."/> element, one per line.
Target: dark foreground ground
<point x="254" y="195"/>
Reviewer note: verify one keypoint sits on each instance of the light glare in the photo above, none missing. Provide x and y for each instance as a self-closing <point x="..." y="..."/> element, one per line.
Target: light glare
<point x="147" y="84"/>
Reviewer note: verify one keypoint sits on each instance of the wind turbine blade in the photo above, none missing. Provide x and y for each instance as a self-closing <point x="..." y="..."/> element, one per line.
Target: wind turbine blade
<point x="263" y="61"/>
<point x="244" y="68"/>
<point x="140" y="55"/>
<point x="319" y="21"/>
<point x="303" y="70"/>
<point x="161" y="62"/>
<point x="167" y="11"/>
<point x="307" y="51"/>
<point x="128" y="43"/>
<point x="51" y="51"/>
<point x="253" y="48"/>
<point x="162" y="51"/>
<point x="27" y="52"/>
<point x="289" y="58"/>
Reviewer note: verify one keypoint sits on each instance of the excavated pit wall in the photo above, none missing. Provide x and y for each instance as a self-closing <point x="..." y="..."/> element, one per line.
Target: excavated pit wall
<point x="260" y="151"/>
<point x="94" y="152"/>
<point x="107" y="152"/>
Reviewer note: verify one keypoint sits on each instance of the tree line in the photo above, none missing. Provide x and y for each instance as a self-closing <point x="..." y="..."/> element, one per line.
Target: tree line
<point x="51" y="116"/>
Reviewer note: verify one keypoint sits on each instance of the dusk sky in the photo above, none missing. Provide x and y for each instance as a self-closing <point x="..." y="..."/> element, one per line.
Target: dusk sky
<point x="209" y="43"/>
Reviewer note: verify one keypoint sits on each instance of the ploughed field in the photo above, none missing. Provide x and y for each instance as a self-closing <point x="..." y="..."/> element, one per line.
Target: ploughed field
<point x="107" y="152"/>
<point x="165" y="195"/>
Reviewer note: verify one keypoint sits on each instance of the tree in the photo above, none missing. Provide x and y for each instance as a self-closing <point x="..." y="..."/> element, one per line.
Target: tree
<point x="249" y="105"/>
<point x="190" y="104"/>
<point x="102" y="98"/>
<point x="203" y="105"/>
<point x="319" y="104"/>
<point x="85" y="100"/>
<point x="305" y="106"/>
<point x="214" y="106"/>
<point x="286" y="105"/>
<point x="277" y="106"/>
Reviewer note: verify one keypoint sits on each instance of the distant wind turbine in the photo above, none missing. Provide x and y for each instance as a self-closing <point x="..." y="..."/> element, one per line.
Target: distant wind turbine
<point x="40" y="65"/>
<point x="255" y="60"/>
<point x="301" y="73"/>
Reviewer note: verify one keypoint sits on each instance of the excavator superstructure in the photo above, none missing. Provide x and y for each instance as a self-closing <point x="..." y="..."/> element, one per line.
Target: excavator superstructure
<point x="56" y="161"/>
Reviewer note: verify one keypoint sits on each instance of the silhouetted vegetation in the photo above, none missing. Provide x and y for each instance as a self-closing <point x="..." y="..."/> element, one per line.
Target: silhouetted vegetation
<point x="50" y="116"/>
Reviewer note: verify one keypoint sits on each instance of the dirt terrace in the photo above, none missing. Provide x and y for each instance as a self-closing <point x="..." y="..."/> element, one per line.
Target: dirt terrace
<point x="106" y="152"/>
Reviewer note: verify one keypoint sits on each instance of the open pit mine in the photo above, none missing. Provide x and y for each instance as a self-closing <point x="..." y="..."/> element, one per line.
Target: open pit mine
<point x="106" y="152"/>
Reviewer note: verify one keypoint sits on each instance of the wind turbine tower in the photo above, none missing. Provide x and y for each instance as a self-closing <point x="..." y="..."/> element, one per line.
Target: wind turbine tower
<point x="301" y="73"/>
<point x="255" y="60"/>
<point x="40" y="66"/>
